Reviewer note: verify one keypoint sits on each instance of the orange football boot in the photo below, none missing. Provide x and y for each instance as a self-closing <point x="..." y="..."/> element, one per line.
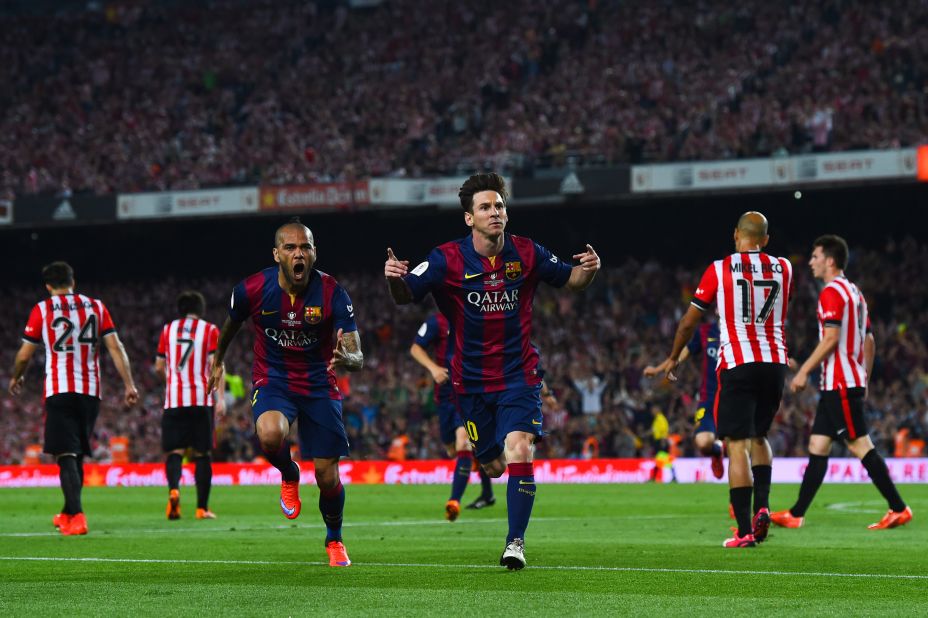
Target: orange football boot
<point x="338" y="555"/>
<point x="76" y="525"/>
<point x="452" y="510"/>
<point x="205" y="514"/>
<point x="60" y="520"/>
<point x="893" y="519"/>
<point x="290" y="499"/>
<point x="785" y="519"/>
<point x="173" y="510"/>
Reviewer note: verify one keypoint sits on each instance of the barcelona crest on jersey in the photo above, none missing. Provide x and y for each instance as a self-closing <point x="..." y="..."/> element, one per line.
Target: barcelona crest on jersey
<point x="513" y="270"/>
<point x="313" y="315"/>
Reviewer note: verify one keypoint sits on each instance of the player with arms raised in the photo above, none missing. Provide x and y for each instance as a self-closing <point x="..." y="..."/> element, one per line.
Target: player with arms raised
<point x="484" y="284"/>
<point x="304" y="329"/>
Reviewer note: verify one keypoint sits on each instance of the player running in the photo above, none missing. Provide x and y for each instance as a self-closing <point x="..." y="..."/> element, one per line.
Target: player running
<point x="484" y="284"/>
<point x="434" y="332"/>
<point x="304" y="329"/>
<point x="705" y="341"/>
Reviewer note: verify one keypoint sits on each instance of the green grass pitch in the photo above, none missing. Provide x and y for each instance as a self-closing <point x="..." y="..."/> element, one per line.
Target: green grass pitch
<point x="591" y="550"/>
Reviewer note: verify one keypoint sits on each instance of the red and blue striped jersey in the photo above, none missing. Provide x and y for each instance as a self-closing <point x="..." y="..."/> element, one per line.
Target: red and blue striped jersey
<point x="488" y="303"/>
<point x="435" y="330"/>
<point x="294" y="335"/>
<point x="706" y="340"/>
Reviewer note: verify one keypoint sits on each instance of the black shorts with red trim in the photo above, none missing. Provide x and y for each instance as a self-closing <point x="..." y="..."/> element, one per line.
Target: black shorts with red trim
<point x="69" y="421"/>
<point x="748" y="399"/>
<point x="187" y="427"/>
<point x="840" y="414"/>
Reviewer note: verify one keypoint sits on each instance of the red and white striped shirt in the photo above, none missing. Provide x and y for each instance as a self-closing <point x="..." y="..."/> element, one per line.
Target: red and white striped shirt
<point x="840" y="304"/>
<point x="71" y="326"/>
<point x="185" y="346"/>
<point x="752" y="292"/>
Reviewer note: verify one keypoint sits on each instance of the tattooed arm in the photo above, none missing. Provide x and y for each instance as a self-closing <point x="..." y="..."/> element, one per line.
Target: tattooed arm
<point x="347" y="352"/>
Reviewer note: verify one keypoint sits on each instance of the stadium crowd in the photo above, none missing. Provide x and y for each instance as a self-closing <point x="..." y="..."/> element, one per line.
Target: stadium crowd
<point x="594" y="347"/>
<point x="150" y="95"/>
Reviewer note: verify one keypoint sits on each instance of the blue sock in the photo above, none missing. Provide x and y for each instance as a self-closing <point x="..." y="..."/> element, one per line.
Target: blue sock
<point x="486" y="483"/>
<point x="461" y="475"/>
<point x="332" y="507"/>
<point x="520" y="496"/>
<point x="716" y="449"/>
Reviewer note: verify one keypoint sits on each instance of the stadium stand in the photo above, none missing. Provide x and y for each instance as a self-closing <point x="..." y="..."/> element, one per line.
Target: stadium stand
<point x="129" y="96"/>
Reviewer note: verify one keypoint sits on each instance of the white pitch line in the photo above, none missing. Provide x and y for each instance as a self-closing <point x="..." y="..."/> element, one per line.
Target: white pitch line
<point x="168" y="529"/>
<point x="403" y="565"/>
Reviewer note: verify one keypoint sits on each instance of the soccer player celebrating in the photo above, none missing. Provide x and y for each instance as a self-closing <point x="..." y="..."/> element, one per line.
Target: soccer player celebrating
<point x="304" y="329"/>
<point x="184" y="350"/>
<point x="705" y="340"/>
<point x="845" y="352"/>
<point x="434" y="331"/>
<point x="71" y="326"/>
<point x="484" y="284"/>
<point x="752" y="291"/>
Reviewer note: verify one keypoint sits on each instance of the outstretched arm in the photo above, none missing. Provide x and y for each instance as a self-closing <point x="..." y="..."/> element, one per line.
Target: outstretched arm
<point x="229" y="329"/>
<point x="685" y="329"/>
<point x="23" y="356"/>
<point x="394" y="270"/>
<point x="121" y="360"/>
<point x="581" y="276"/>
<point x="347" y="352"/>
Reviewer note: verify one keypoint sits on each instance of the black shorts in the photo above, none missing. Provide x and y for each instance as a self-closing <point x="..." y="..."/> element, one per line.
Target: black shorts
<point x="69" y="421"/>
<point x="840" y="414"/>
<point x="189" y="427"/>
<point x="748" y="399"/>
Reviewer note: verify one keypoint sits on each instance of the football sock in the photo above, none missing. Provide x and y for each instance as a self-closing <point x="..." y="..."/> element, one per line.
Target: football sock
<point x="203" y="473"/>
<point x="172" y="468"/>
<point x="80" y="468"/>
<point x="811" y="481"/>
<point x="716" y="450"/>
<point x="281" y="460"/>
<point x="461" y="475"/>
<point x="486" y="483"/>
<point x="332" y="507"/>
<point x="740" y="498"/>
<point x="879" y="474"/>
<point x="520" y="496"/>
<point x="70" y="484"/>
<point x="762" y="476"/>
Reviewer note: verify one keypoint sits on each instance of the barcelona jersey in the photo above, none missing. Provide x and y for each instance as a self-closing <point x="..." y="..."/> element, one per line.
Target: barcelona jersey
<point x="294" y="335"/>
<point x="435" y="331"/>
<point x="488" y="303"/>
<point x="706" y="340"/>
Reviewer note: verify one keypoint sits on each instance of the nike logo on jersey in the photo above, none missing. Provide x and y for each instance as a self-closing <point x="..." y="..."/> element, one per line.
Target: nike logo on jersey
<point x="534" y="422"/>
<point x="711" y="339"/>
<point x="470" y="276"/>
<point x="263" y="312"/>
<point x="521" y="482"/>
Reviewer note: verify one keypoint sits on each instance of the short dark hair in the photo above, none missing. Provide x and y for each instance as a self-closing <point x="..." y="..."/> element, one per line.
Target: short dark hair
<point x="833" y="247"/>
<point x="478" y="183"/>
<point x="292" y="221"/>
<point x="191" y="301"/>
<point x="58" y="275"/>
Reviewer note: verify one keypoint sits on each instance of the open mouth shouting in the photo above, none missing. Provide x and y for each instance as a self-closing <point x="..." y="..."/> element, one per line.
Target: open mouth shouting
<point x="299" y="271"/>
